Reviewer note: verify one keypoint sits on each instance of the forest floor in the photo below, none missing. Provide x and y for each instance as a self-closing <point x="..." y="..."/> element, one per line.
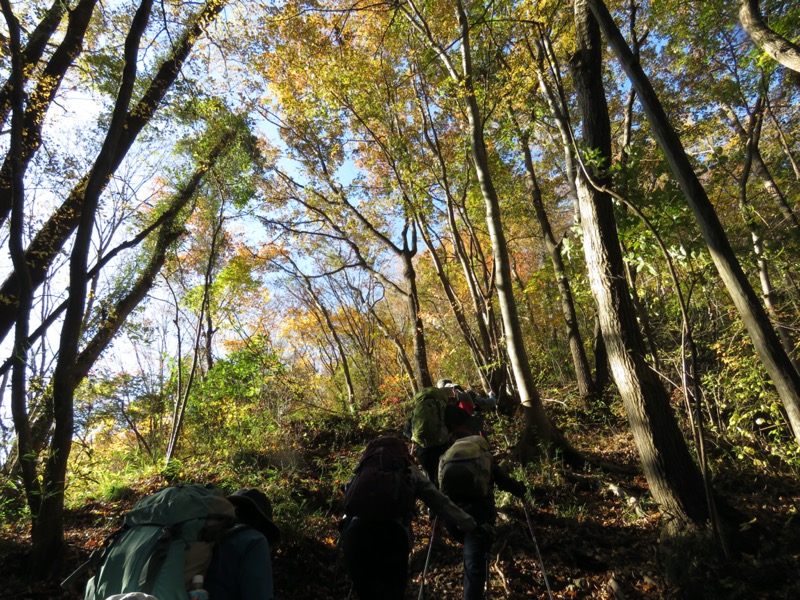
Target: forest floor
<point x="596" y="534"/>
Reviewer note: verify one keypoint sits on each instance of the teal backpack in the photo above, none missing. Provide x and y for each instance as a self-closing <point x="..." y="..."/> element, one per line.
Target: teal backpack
<point x="427" y="421"/>
<point x="165" y="540"/>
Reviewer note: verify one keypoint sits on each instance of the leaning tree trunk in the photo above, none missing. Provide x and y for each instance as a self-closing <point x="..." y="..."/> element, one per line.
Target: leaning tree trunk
<point x="47" y="532"/>
<point x="31" y="54"/>
<point x="765" y="341"/>
<point x="42" y="96"/>
<point x="674" y="479"/>
<point x="748" y="215"/>
<point x="778" y="47"/>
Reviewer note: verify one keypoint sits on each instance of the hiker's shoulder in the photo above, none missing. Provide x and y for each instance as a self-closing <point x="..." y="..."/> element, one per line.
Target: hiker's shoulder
<point x="242" y="537"/>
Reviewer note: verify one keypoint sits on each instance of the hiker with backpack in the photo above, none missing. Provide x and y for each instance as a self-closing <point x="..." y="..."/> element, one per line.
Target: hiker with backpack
<point x="379" y="504"/>
<point x="468" y="475"/>
<point x="241" y="568"/>
<point x="186" y="539"/>
<point x="430" y="434"/>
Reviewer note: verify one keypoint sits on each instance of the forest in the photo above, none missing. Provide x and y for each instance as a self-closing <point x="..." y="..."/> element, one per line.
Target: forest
<point x="239" y="235"/>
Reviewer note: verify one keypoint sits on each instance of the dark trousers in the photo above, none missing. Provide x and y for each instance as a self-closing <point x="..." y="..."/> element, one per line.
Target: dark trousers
<point x="376" y="555"/>
<point x="476" y="548"/>
<point x="476" y="555"/>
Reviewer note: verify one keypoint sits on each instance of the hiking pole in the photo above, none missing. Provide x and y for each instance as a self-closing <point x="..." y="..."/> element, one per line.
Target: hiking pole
<point x="538" y="553"/>
<point x="488" y="582"/>
<point x="427" y="559"/>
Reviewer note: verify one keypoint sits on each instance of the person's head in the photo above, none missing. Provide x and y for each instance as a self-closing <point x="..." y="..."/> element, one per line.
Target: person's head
<point x="253" y="508"/>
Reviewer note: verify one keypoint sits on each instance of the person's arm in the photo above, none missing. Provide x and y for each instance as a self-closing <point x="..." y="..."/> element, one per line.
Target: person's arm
<point x="505" y="482"/>
<point x="485" y="402"/>
<point x="439" y="503"/>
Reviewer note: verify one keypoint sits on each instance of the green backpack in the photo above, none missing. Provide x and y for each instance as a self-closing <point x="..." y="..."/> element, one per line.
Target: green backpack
<point x="465" y="470"/>
<point x="166" y="539"/>
<point x="427" y="421"/>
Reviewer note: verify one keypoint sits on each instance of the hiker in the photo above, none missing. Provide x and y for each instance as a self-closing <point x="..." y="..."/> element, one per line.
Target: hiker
<point x="429" y="431"/>
<point x="468" y="475"/>
<point x="379" y="504"/>
<point x="463" y="415"/>
<point x="187" y="541"/>
<point x="241" y="568"/>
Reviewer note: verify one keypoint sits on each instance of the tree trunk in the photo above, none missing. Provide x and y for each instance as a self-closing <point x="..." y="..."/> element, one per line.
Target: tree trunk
<point x="787" y="150"/>
<point x="480" y="283"/>
<point x="19" y="375"/>
<point x="754" y="317"/>
<point x="43" y="94"/>
<point x="33" y="52"/>
<point x="540" y="434"/>
<point x="314" y="300"/>
<point x="751" y="137"/>
<point x="602" y="377"/>
<point x="55" y="232"/>
<point x="767" y="292"/>
<point x="456" y="307"/>
<point x="674" y="479"/>
<point x="583" y="374"/>
<point x="421" y="372"/>
<point x="483" y="347"/>
<point x="47" y="531"/>
<point x="778" y="47"/>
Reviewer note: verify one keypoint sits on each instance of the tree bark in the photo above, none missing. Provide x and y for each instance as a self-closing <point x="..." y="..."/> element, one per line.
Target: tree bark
<point x="765" y="340"/>
<point x="674" y="479"/>
<point x="778" y="47"/>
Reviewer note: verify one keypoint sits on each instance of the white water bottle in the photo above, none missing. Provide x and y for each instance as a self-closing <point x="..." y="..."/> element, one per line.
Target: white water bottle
<point x="197" y="591"/>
